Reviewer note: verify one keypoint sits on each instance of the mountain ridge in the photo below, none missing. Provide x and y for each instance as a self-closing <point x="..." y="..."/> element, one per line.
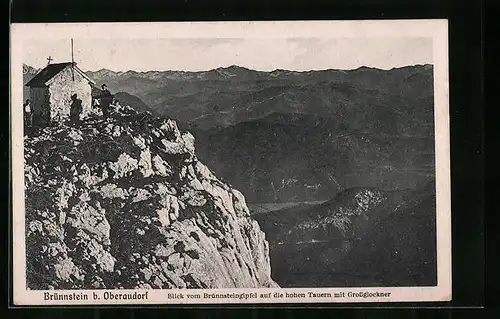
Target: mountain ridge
<point x="348" y="241"/>
<point x="226" y="96"/>
<point x="235" y="66"/>
<point x="32" y="69"/>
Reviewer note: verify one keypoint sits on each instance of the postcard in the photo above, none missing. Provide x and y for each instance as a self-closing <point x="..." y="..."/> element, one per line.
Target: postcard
<point x="230" y="162"/>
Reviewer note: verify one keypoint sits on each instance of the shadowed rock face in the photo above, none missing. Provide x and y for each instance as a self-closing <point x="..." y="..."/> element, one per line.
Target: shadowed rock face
<point x="124" y="203"/>
<point x="362" y="237"/>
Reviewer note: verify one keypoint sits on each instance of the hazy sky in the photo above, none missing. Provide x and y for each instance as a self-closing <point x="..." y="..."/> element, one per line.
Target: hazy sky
<point x="209" y="53"/>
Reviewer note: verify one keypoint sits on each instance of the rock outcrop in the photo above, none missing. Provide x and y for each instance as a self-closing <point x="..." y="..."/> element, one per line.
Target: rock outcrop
<point x="362" y="237"/>
<point x="125" y="203"/>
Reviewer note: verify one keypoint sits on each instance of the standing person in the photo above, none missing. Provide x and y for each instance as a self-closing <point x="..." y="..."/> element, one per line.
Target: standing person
<point x="106" y="99"/>
<point x="27" y="114"/>
<point x="76" y="110"/>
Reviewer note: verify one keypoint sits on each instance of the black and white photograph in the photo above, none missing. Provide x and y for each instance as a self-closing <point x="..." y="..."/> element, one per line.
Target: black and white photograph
<point x="231" y="162"/>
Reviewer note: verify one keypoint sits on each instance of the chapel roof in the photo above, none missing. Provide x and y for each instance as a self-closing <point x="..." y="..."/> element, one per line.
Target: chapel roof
<point x="50" y="71"/>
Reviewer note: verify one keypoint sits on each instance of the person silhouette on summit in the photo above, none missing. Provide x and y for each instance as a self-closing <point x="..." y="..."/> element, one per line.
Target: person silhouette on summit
<point x="106" y="99"/>
<point x="27" y="113"/>
<point x="76" y="110"/>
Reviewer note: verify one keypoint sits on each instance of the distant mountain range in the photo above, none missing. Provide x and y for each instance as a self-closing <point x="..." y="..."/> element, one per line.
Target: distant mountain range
<point x="294" y="136"/>
<point x="227" y="96"/>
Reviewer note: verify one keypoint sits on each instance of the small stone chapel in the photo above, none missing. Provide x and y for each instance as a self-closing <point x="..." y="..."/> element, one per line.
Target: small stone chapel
<point x="51" y="90"/>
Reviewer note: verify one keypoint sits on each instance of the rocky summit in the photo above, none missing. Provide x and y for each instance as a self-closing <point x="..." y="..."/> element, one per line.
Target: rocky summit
<point x="125" y="203"/>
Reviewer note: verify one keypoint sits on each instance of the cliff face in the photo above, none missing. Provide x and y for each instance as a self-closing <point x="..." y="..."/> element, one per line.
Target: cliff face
<point x="124" y="203"/>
